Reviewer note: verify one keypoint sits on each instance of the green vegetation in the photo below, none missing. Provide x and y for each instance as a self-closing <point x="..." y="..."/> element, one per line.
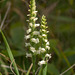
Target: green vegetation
<point x="60" y="16"/>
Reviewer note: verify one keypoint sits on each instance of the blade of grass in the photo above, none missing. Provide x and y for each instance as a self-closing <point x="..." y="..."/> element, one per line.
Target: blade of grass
<point x="45" y="70"/>
<point x="29" y="69"/>
<point x="10" y="53"/>
<point x="40" y="71"/>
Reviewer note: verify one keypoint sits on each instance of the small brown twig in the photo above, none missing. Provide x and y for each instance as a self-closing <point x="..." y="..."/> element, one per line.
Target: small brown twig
<point x="67" y="69"/>
<point x="11" y="67"/>
<point x="38" y="70"/>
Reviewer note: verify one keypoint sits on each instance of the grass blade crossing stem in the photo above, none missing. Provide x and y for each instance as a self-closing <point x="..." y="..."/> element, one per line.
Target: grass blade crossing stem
<point x="10" y="53"/>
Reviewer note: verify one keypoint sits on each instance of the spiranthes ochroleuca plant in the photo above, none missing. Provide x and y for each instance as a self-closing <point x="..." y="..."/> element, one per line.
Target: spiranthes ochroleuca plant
<point x="32" y="34"/>
<point x="44" y="43"/>
<point x="36" y="40"/>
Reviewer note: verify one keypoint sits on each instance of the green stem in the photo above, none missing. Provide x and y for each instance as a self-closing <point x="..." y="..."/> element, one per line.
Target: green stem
<point x="45" y="69"/>
<point x="34" y="60"/>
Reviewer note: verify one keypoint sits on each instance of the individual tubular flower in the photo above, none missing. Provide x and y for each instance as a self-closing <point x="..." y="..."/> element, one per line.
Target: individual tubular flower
<point x="36" y="25"/>
<point x="48" y="56"/>
<point x="27" y="37"/>
<point x="27" y="44"/>
<point x="35" y="40"/>
<point x="41" y="62"/>
<point x="36" y="33"/>
<point x="32" y="49"/>
<point x="29" y="30"/>
<point x="42" y="50"/>
<point x="28" y="55"/>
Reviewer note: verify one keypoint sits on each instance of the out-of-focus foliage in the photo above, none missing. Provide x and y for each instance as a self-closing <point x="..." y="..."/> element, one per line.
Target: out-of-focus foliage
<point x="61" y="24"/>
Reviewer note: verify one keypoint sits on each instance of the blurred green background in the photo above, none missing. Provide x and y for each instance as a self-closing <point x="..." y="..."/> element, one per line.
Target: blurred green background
<point x="60" y="16"/>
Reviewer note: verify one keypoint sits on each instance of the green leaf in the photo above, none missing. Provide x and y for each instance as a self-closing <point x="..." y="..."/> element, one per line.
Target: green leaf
<point x="45" y="70"/>
<point x="66" y="28"/>
<point x="52" y="70"/>
<point x="10" y="53"/>
<point x="17" y="34"/>
<point x="69" y="52"/>
<point x="53" y="44"/>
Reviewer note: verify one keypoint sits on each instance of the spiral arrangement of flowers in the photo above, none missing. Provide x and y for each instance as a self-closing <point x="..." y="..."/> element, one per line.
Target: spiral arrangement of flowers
<point x="36" y="40"/>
